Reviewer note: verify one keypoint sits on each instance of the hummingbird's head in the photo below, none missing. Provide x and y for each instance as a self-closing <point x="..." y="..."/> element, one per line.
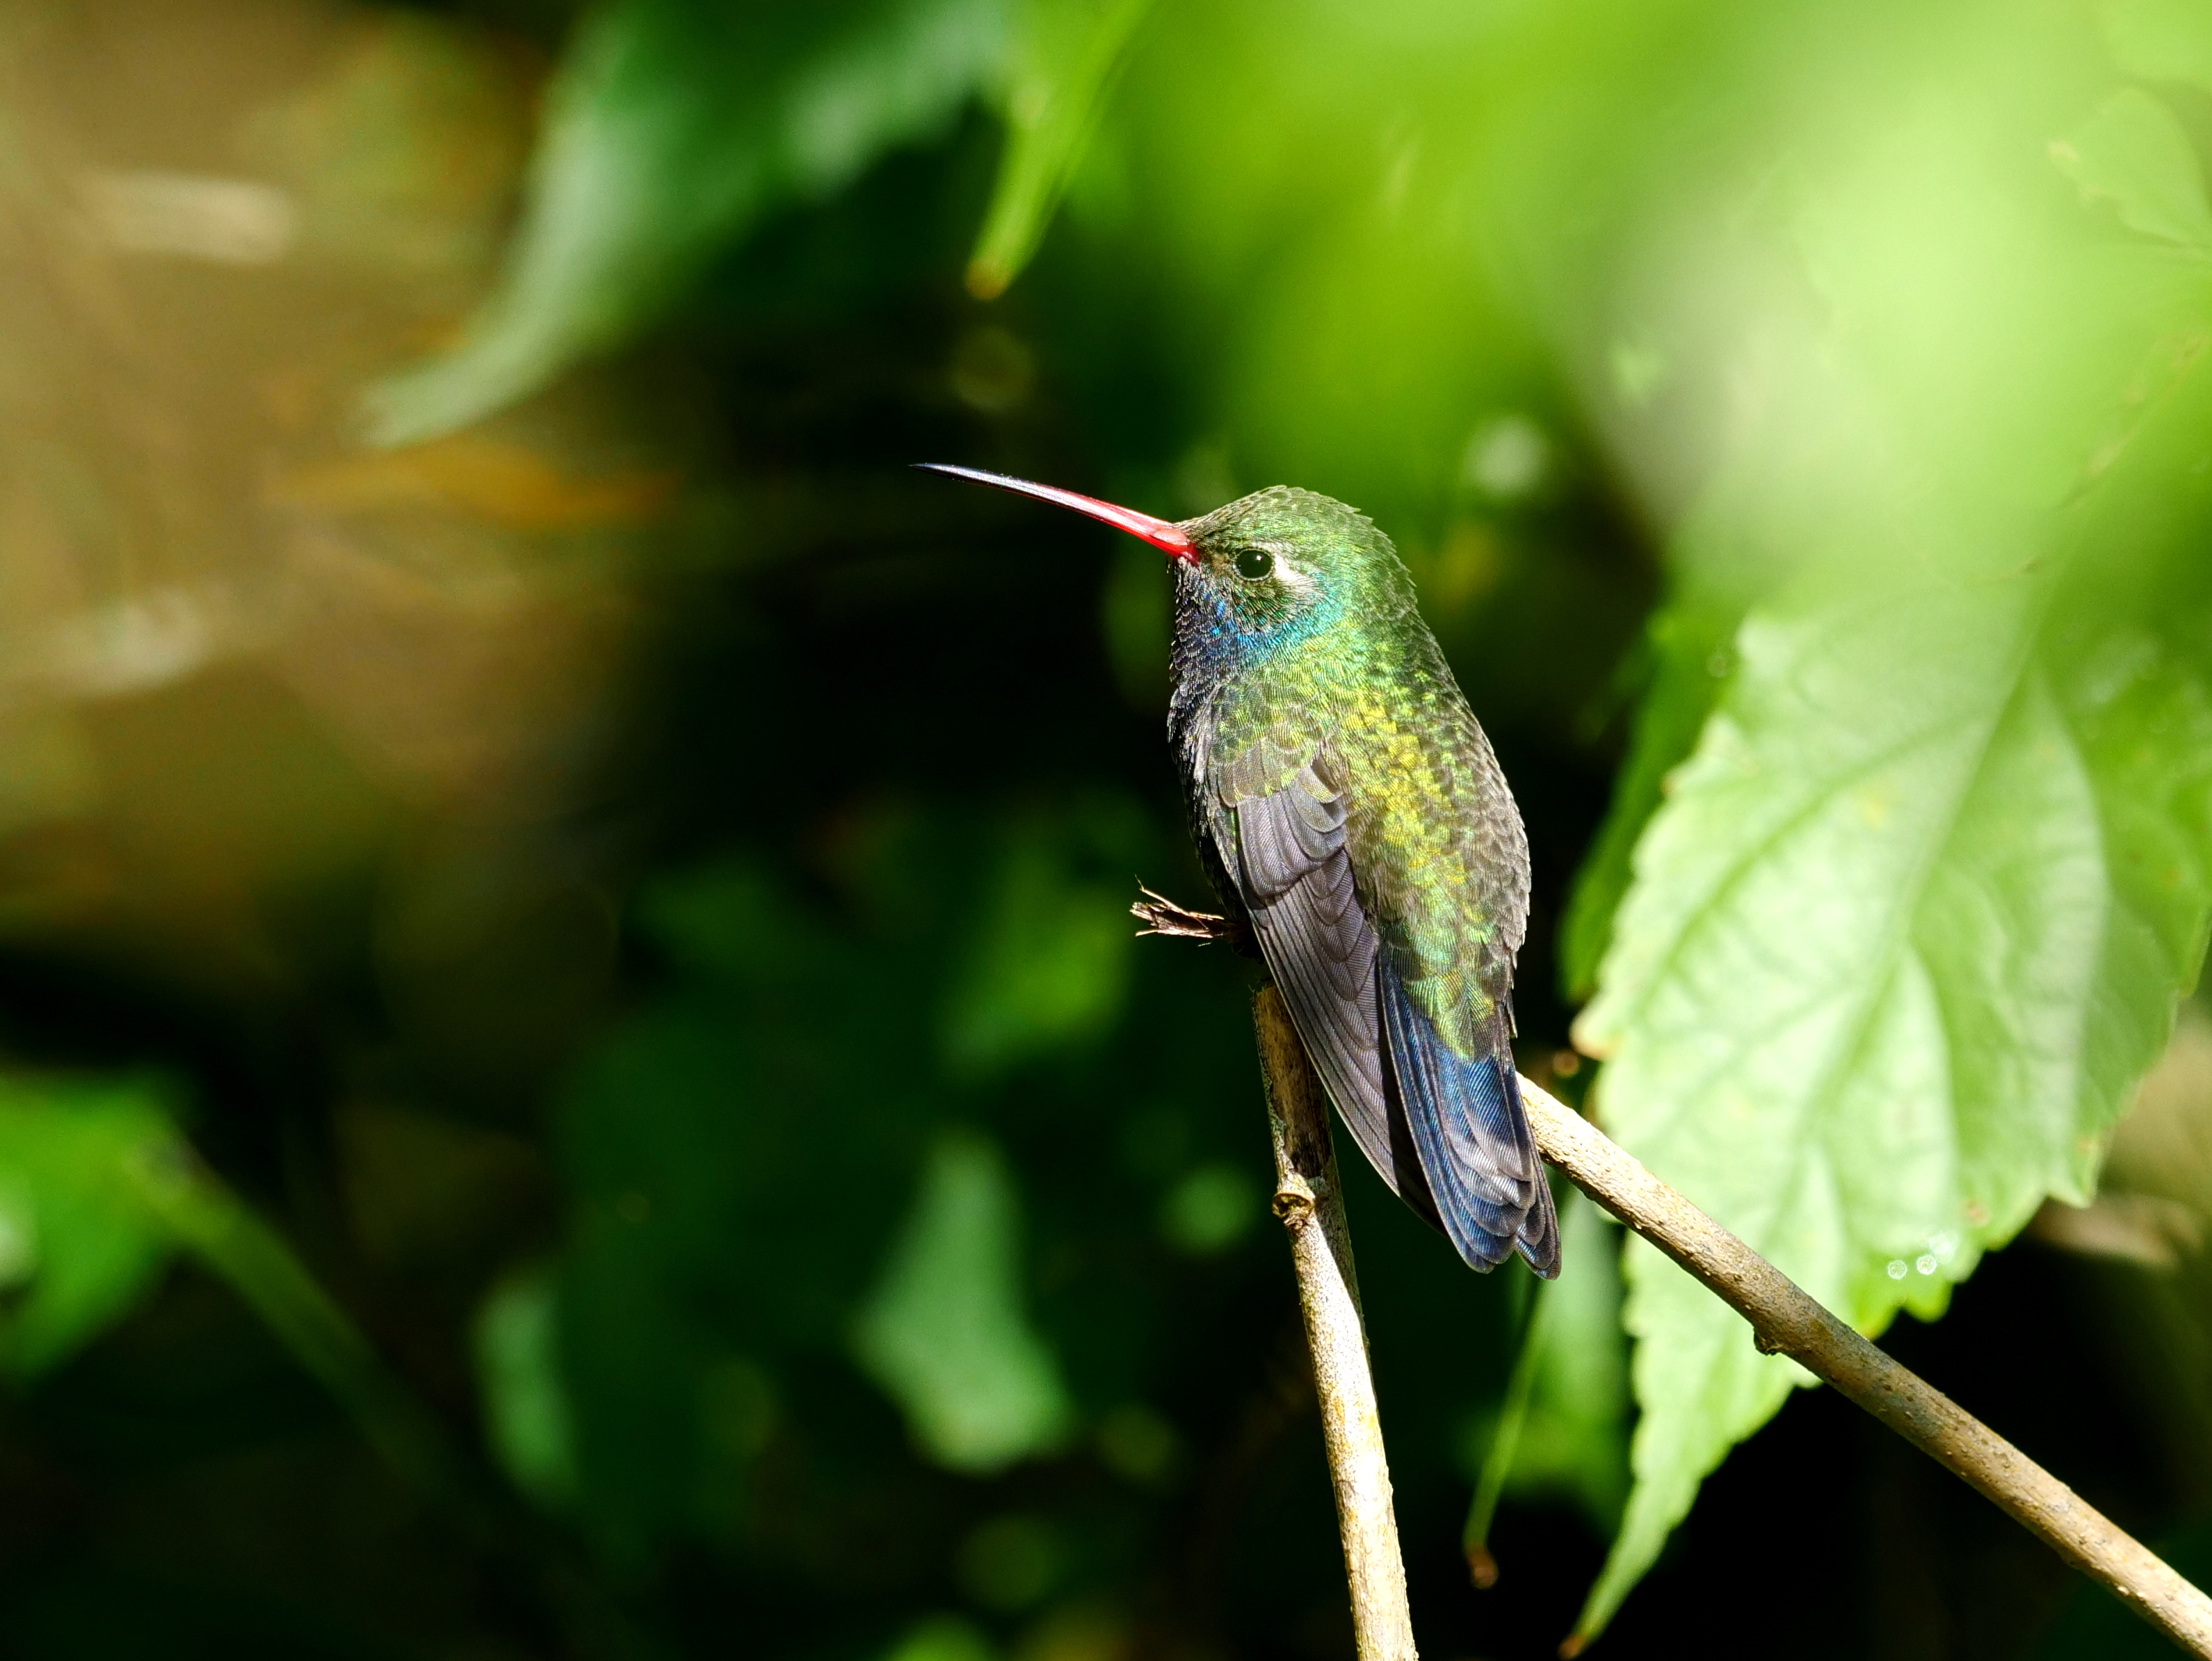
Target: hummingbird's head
<point x="1268" y="570"/>
<point x="1279" y="565"/>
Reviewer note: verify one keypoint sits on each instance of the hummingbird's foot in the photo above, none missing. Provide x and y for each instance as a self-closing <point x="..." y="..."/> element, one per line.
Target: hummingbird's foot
<point x="1162" y="915"/>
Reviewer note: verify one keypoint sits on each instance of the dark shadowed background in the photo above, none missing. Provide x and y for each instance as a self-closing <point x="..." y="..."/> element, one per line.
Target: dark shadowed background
<point x="575" y="1076"/>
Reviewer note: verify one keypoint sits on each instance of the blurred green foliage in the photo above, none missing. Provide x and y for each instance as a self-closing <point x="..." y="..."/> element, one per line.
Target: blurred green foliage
<point x="1560" y="1427"/>
<point x="81" y="1244"/>
<point x="944" y="1333"/>
<point x="672" y="128"/>
<point x="576" y="1078"/>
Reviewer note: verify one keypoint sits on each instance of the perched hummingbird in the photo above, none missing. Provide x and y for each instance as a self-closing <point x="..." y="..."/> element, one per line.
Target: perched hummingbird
<point x="1347" y="805"/>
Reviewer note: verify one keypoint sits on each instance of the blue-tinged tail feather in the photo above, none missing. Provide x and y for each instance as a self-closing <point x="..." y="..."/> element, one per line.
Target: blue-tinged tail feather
<point x="1472" y="1136"/>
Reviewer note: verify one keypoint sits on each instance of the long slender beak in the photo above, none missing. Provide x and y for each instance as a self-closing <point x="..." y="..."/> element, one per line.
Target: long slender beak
<point x="1163" y="534"/>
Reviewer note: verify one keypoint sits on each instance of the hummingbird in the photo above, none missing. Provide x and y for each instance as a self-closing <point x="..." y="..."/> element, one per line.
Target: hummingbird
<point x="1349" y="809"/>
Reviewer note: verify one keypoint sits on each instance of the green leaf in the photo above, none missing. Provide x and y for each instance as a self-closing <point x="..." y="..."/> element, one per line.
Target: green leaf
<point x="1688" y="654"/>
<point x="1575" y="1438"/>
<point x="1902" y="938"/>
<point x="75" y="1232"/>
<point x="525" y="1400"/>
<point x="1563" y="1425"/>
<point x="944" y="1333"/>
<point x="98" y="1191"/>
<point x="203" y="1215"/>
<point x="670" y="131"/>
<point x="2134" y="154"/>
<point x="1049" y="965"/>
<point x="1065" y="55"/>
<point x="2161" y="40"/>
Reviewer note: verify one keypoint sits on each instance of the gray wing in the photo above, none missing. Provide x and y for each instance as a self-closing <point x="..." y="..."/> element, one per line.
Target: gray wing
<point x="1286" y="854"/>
<point x="1445" y="1131"/>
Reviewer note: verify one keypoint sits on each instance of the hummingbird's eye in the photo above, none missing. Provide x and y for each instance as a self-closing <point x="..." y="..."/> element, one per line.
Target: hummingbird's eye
<point x="1254" y="562"/>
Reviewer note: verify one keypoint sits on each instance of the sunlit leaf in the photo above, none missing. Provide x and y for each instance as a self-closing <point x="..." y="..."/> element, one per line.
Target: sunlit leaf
<point x="1906" y="932"/>
<point x="1690" y="660"/>
<point x="78" y="1238"/>
<point x="670" y="130"/>
<point x="2134" y="154"/>
<point x="1064" y="57"/>
<point x="2160" y="39"/>
<point x="946" y="1333"/>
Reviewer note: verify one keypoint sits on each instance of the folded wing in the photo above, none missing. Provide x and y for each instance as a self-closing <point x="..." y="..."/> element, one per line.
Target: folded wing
<point x="1294" y="874"/>
<point x="1446" y="1131"/>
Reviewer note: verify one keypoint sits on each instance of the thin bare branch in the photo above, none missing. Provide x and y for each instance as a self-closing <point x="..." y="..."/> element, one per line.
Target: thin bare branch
<point x="1785" y="1321"/>
<point x="1311" y="1204"/>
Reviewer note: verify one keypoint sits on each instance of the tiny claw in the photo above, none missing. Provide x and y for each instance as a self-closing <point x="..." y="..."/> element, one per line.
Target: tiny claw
<point x="1162" y="915"/>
